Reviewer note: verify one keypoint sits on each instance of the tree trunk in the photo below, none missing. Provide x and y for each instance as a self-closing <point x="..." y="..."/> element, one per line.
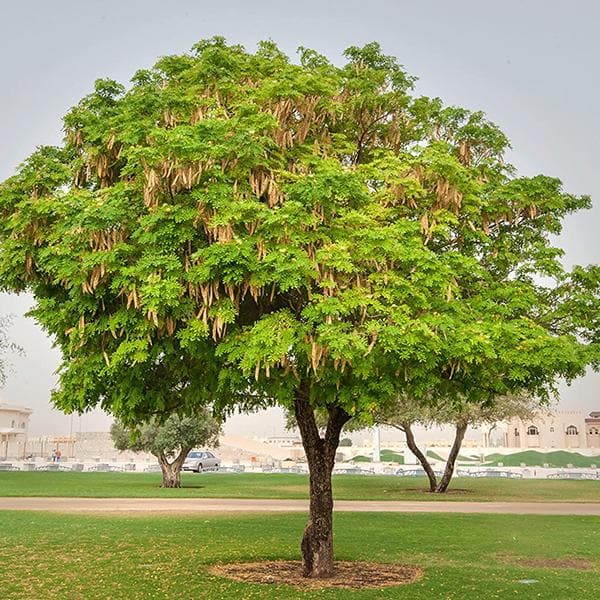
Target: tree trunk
<point x="461" y="429"/>
<point x="412" y="445"/>
<point x="171" y="478"/>
<point x="171" y="472"/>
<point x="317" y="541"/>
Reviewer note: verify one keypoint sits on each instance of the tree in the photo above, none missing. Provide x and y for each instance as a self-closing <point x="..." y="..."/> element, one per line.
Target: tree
<point x="238" y="226"/>
<point x="407" y="413"/>
<point x="170" y="441"/>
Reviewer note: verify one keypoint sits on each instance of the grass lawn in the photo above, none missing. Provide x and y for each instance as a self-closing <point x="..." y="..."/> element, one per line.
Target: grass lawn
<point x="385" y="455"/>
<point x="272" y="485"/>
<point x="557" y="458"/>
<point x="465" y="557"/>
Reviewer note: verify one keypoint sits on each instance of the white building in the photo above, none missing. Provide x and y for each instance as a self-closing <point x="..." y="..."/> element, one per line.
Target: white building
<point x="560" y="429"/>
<point x="283" y="441"/>
<point x="14" y="424"/>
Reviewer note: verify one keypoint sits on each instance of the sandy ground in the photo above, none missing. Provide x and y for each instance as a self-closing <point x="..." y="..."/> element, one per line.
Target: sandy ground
<point x="146" y="506"/>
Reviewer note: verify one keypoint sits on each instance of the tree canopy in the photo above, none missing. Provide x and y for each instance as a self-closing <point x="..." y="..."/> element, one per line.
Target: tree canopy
<point x="243" y="227"/>
<point x="321" y="216"/>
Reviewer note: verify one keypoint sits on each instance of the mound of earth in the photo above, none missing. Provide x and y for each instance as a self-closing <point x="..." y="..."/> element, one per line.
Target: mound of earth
<point x="355" y="575"/>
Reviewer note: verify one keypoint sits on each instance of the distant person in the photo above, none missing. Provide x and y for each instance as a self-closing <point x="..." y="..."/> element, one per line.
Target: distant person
<point x="53" y="455"/>
<point x="58" y="455"/>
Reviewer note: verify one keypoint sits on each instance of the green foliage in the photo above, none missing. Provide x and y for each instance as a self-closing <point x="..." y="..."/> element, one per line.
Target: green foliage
<point x="232" y="223"/>
<point x="168" y="439"/>
<point x="442" y="411"/>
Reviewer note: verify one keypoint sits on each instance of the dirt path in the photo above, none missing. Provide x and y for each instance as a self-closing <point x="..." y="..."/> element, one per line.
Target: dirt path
<point x="146" y="506"/>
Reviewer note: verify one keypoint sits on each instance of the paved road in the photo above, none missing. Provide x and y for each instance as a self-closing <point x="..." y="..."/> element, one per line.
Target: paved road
<point x="144" y="506"/>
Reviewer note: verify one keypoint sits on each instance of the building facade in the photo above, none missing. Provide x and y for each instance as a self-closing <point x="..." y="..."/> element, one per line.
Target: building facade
<point x="560" y="429"/>
<point x="592" y="430"/>
<point x="14" y="425"/>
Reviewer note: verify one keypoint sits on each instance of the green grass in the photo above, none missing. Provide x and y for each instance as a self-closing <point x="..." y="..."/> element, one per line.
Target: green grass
<point x="461" y="457"/>
<point x="384" y="455"/>
<point x="533" y="458"/>
<point x="465" y="557"/>
<point x="272" y="485"/>
<point x="434" y="455"/>
<point x="469" y="459"/>
<point x="361" y="458"/>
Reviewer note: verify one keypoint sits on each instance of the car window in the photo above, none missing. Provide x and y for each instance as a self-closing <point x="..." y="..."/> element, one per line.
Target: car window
<point x="195" y="455"/>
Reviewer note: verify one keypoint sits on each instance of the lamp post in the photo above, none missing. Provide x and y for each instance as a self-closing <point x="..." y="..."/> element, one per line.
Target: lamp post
<point x="376" y="444"/>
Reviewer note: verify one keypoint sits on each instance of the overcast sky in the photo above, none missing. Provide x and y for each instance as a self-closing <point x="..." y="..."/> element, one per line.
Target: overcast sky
<point x="531" y="65"/>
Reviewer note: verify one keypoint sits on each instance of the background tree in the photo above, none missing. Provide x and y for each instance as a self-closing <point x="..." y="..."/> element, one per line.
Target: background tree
<point x="407" y="413"/>
<point x="239" y="226"/>
<point x="170" y="441"/>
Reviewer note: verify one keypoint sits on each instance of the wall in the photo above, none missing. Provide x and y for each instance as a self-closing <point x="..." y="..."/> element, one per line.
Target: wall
<point x="553" y="431"/>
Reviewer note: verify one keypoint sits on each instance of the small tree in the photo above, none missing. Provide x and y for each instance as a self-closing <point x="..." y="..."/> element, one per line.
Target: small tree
<point x="406" y="413"/>
<point x="170" y="441"/>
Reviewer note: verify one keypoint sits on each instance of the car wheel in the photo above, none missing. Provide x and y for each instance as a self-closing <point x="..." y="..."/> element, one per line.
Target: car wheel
<point x="199" y="469"/>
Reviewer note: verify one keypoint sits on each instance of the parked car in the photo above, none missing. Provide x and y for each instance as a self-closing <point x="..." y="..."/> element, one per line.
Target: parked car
<point x="198" y="461"/>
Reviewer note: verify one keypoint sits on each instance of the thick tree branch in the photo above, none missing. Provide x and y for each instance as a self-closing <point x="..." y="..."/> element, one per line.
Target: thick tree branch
<point x="305" y="417"/>
<point x="338" y="417"/>
<point x="461" y="429"/>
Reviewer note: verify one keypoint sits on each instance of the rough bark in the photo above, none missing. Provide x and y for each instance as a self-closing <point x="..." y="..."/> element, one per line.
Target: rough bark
<point x="412" y="445"/>
<point x="461" y="429"/>
<point x="171" y="472"/>
<point x="317" y="541"/>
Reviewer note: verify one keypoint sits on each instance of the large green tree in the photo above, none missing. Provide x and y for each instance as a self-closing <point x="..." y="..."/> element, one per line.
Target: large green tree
<point x="170" y="441"/>
<point x="302" y="233"/>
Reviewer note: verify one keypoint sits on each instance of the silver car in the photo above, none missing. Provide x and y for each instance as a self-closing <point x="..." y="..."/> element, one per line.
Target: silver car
<point x="198" y="461"/>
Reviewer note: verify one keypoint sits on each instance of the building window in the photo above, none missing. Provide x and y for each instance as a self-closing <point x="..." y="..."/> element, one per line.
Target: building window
<point x="593" y="431"/>
<point x="533" y="430"/>
<point x="551" y="429"/>
<point x="12" y="424"/>
<point x="572" y="430"/>
<point x="516" y="432"/>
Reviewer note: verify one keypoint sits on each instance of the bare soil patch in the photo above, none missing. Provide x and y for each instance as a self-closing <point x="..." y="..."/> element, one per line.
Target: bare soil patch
<point x="352" y="575"/>
<point x="450" y="492"/>
<point x="578" y="564"/>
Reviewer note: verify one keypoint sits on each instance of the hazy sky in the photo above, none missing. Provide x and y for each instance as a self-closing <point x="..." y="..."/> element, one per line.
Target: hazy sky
<point x="531" y="65"/>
